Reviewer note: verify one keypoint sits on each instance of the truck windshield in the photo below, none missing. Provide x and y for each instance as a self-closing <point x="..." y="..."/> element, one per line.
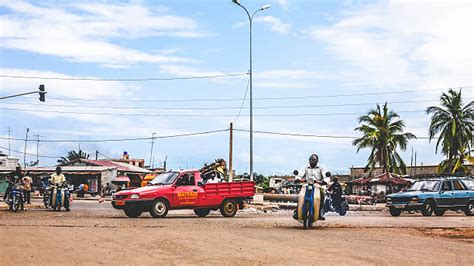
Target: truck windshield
<point x="164" y="179"/>
<point x="425" y="186"/>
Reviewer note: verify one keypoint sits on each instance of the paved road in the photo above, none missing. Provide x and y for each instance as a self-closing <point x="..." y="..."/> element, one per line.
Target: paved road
<point x="95" y="233"/>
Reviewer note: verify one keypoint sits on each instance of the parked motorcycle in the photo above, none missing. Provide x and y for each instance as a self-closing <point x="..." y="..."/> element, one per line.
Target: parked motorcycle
<point x="60" y="196"/>
<point x="14" y="200"/>
<point x="328" y="205"/>
<point x="47" y="195"/>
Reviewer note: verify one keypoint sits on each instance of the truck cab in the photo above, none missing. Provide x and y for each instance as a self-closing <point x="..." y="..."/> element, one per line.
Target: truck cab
<point x="183" y="190"/>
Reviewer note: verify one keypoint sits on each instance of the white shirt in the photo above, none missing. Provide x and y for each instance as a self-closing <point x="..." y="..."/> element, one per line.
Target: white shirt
<point x="311" y="174"/>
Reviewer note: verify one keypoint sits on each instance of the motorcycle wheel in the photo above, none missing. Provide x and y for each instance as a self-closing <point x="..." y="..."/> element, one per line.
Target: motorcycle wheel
<point x="15" y="203"/>
<point x="310" y="221"/>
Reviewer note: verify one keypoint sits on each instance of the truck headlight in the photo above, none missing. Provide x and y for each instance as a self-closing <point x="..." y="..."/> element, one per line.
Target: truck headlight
<point x="134" y="196"/>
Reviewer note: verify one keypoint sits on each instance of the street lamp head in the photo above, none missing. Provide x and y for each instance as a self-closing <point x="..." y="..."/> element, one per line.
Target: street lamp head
<point x="237" y="2"/>
<point x="263" y="7"/>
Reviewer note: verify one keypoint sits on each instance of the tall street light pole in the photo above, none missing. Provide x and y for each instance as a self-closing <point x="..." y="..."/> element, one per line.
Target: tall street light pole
<point x="237" y="2"/>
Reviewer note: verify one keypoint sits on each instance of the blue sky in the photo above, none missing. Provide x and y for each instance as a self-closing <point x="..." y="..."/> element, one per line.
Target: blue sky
<point x="301" y="48"/>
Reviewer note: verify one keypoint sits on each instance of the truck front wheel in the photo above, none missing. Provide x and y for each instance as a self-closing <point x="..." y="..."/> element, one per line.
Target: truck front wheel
<point x="159" y="209"/>
<point x="229" y="208"/>
<point x="202" y="212"/>
<point x="132" y="213"/>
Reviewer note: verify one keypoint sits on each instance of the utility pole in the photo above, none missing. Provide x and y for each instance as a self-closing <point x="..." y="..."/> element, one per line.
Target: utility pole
<point x="9" y="146"/>
<point x="164" y="164"/>
<point x="414" y="169"/>
<point x="231" y="140"/>
<point x="96" y="155"/>
<point x="37" y="147"/>
<point x="411" y="162"/>
<point x="151" y="152"/>
<point x="26" y="144"/>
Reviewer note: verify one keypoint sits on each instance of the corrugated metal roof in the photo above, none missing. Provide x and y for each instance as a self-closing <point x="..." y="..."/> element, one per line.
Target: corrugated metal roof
<point x="124" y="167"/>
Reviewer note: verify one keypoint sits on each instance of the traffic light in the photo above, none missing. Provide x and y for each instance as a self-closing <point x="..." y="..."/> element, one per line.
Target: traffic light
<point x="41" y="93"/>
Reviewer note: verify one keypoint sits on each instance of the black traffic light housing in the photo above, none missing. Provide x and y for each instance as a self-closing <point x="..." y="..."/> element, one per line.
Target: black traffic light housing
<point x="41" y="93"/>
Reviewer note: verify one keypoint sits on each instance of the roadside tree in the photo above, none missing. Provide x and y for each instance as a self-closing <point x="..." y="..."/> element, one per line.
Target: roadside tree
<point x="453" y="124"/>
<point x="382" y="132"/>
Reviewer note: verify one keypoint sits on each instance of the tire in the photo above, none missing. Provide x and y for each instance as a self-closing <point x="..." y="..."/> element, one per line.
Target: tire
<point x="132" y="213"/>
<point x="229" y="208"/>
<point x="202" y="212"/>
<point x="159" y="209"/>
<point x="395" y="212"/>
<point x="439" y="212"/>
<point x="428" y="208"/>
<point x="342" y="212"/>
<point x="469" y="211"/>
<point x="15" y="203"/>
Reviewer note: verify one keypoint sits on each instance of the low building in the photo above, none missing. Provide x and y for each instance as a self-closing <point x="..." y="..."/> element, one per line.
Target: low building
<point x="417" y="172"/>
<point x="126" y="174"/>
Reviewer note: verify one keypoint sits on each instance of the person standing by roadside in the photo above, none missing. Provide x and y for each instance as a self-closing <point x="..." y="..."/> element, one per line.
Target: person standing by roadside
<point x="27" y="182"/>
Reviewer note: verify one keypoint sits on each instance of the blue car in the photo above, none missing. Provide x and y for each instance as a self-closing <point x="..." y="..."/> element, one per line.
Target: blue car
<point x="434" y="196"/>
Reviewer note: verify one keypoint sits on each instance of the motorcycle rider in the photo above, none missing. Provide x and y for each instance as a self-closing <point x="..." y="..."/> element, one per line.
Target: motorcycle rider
<point x="335" y="190"/>
<point x="314" y="173"/>
<point x="57" y="179"/>
<point x="14" y="178"/>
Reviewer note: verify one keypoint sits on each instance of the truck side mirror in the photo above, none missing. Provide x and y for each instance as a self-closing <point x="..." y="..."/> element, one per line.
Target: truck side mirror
<point x="200" y="183"/>
<point x="328" y="174"/>
<point x="295" y="172"/>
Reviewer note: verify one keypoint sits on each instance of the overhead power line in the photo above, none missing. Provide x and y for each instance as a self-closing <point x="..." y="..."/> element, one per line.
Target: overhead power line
<point x="30" y="154"/>
<point x="243" y="102"/>
<point x="123" y="139"/>
<point x="194" y="115"/>
<point x="255" y="99"/>
<point x="224" y="107"/>
<point x="309" y="135"/>
<point x="122" y="79"/>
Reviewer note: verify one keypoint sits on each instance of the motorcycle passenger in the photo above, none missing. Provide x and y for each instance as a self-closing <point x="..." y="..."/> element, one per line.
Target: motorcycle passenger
<point x="311" y="174"/>
<point x="14" y="178"/>
<point x="335" y="190"/>
<point x="58" y="179"/>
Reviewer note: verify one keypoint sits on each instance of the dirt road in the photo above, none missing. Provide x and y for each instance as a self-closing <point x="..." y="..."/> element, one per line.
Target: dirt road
<point x="97" y="234"/>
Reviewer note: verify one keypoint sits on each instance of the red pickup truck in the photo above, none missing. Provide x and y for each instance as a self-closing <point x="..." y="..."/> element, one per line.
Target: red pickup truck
<point x="183" y="190"/>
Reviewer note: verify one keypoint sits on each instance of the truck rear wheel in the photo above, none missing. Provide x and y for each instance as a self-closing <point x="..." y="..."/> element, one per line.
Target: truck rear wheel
<point x="159" y="208"/>
<point x="132" y="213"/>
<point x="439" y="212"/>
<point x="229" y="208"/>
<point x="202" y="212"/>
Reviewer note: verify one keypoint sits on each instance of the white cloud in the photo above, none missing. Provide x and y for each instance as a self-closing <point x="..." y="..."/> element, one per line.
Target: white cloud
<point x="87" y="32"/>
<point x="275" y="24"/>
<point x="404" y="44"/>
<point x="283" y="4"/>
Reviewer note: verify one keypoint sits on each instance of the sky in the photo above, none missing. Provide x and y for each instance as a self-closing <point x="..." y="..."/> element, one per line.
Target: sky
<point x="318" y="65"/>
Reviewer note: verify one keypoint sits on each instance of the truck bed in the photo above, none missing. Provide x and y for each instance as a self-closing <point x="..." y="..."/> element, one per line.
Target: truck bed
<point x="230" y="189"/>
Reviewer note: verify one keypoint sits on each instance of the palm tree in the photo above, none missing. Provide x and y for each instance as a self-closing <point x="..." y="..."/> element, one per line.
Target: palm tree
<point x="454" y="124"/>
<point x="73" y="155"/>
<point x="383" y="133"/>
